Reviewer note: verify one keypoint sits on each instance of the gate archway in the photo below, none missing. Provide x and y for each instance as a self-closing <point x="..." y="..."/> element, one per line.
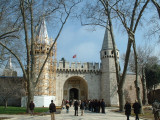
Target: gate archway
<point x="73" y="94"/>
<point x="75" y="88"/>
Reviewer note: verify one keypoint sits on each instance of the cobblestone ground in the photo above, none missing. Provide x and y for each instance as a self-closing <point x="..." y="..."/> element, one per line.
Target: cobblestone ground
<point x="70" y="116"/>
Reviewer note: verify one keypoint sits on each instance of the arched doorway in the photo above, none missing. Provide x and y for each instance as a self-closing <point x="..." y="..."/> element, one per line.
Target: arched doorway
<point x="73" y="94"/>
<point x="75" y="88"/>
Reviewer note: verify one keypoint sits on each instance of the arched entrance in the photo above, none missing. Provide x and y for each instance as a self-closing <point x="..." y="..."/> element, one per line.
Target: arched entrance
<point x="73" y="94"/>
<point x="75" y="88"/>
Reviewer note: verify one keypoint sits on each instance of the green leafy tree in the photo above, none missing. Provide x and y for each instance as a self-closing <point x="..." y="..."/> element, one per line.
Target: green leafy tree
<point x="152" y="73"/>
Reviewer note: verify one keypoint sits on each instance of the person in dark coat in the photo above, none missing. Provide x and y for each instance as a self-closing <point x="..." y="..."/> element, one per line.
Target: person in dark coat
<point x="96" y="106"/>
<point x="52" y="109"/>
<point x="156" y="109"/>
<point x="76" y="104"/>
<point x="136" y="107"/>
<point x="127" y="108"/>
<point x="103" y="106"/>
<point x="82" y="107"/>
<point x="31" y="107"/>
<point x="99" y="106"/>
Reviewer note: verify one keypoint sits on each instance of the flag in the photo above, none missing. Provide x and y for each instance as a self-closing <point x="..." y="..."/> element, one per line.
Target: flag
<point x="74" y="56"/>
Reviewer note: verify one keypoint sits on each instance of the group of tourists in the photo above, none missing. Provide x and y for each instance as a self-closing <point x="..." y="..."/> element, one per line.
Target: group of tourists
<point x="96" y="106"/>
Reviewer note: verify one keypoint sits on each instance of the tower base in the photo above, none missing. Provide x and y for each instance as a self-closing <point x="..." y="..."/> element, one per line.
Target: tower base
<point x="39" y="101"/>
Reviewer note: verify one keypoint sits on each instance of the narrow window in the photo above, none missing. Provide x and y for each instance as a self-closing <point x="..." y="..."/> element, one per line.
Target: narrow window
<point x="105" y="53"/>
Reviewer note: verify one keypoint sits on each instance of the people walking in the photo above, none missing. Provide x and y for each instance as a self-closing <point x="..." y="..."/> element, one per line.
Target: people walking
<point x="136" y="107"/>
<point x="127" y="108"/>
<point x="52" y="109"/>
<point x="76" y="104"/>
<point x="82" y="108"/>
<point x="31" y="107"/>
<point x="67" y="107"/>
<point x="103" y="106"/>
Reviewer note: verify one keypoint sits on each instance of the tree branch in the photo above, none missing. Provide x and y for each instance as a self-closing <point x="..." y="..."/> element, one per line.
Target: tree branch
<point x="140" y="14"/>
<point x="18" y="59"/>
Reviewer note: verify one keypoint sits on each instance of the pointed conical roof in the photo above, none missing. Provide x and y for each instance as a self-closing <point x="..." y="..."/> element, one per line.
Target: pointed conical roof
<point x="42" y="33"/>
<point x="9" y="64"/>
<point x="107" y="41"/>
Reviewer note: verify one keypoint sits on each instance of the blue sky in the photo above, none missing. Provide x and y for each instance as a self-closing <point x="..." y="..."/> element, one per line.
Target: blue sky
<point x="86" y="44"/>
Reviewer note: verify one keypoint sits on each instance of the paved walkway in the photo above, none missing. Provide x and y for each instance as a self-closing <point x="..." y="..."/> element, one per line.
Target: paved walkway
<point x="70" y="116"/>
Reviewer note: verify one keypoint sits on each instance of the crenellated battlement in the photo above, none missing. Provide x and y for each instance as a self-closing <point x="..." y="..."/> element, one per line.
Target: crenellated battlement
<point x="73" y="66"/>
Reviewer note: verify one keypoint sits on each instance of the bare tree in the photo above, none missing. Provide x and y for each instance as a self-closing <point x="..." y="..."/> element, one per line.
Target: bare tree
<point x="101" y="14"/>
<point x="145" y="56"/>
<point x="153" y="22"/>
<point x="31" y="14"/>
<point x="9" y="31"/>
<point x="130" y="16"/>
<point x="129" y="13"/>
<point x="10" y="88"/>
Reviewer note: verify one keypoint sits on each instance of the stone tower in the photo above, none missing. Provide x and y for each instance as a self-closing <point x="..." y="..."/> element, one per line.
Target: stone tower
<point x="45" y="89"/>
<point x="108" y="76"/>
<point x="9" y="71"/>
<point x="42" y="46"/>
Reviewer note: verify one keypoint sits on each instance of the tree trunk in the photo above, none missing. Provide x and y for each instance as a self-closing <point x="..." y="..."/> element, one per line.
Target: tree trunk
<point x="6" y="103"/>
<point x="120" y="90"/>
<point x="31" y="90"/>
<point x="121" y="99"/>
<point x="154" y="91"/>
<point x="145" y="98"/>
<point x="138" y="93"/>
<point x="122" y="79"/>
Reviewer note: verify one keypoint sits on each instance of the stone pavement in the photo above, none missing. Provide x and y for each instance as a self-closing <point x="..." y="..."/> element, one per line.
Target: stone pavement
<point x="70" y="116"/>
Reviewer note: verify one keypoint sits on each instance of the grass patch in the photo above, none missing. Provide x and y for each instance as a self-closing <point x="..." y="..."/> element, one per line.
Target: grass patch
<point x="20" y="110"/>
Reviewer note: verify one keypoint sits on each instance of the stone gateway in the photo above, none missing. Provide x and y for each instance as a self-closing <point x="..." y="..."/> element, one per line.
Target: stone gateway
<point x="64" y="80"/>
<point x="81" y="81"/>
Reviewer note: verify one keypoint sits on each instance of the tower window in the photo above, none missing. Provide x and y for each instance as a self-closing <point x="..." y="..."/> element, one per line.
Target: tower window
<point x="112" y="52"/>
<point x="117" y="53"/>
<point x="105" y="53"/>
